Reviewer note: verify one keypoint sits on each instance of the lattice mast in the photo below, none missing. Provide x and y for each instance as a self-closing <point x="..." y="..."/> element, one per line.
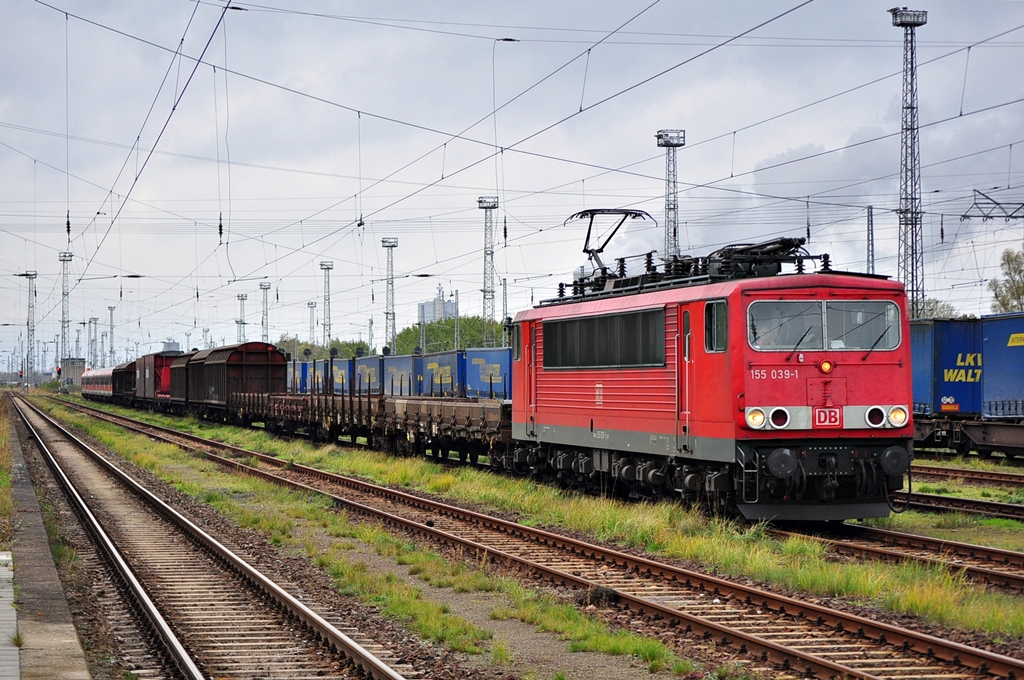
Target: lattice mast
<point x="312" y="321"/>
<point x="65" y="310"/>
<point x="30" y="326"/>
<point x="94" y="332"/>
<point x="911" y="242"/>
<point x="871" y="239"/>
<point x="327" y="266"/>
<point x="488" y="204"/>
<point x="240" y="322"/>
<point x="671" y="140"/>
<point x="265" y="287"/>
<point x="390" y="332"/>
<point x="110" y="337"/>
<point x="504" y="313"/>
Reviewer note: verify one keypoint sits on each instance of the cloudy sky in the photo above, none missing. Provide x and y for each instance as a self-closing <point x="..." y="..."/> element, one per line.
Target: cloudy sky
<point x="310" y="130"/>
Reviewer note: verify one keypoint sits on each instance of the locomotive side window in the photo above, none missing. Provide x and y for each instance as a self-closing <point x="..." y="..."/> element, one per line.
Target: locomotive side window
<point x="609" y="341"/>
<point x="715" y="326"/>
<point x="517" y="341"/>
<point x="862" y="324"/>
<point x="785" y="326"/>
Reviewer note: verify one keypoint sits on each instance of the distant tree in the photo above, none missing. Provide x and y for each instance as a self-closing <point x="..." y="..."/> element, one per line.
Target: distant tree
<point x="933" y="308"/>
<point x="297" y="349"/>
<point x="440" y="335"/>
<point x="1009" y="291"/>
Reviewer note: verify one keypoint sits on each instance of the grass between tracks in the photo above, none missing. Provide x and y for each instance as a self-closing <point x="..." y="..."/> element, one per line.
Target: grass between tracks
<point x="308" y="522"/>
<point x="667" y="529"/>
<point x="6" y="469"/>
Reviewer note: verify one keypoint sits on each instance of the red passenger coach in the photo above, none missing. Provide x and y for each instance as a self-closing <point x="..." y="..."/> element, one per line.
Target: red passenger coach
<point x="98" y="384"/>
<point x="722" y="380"/>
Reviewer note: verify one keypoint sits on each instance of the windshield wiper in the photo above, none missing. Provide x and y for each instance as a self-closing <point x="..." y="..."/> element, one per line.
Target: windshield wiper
<point x="875" y="343"/>
<point x="797" y="345"/>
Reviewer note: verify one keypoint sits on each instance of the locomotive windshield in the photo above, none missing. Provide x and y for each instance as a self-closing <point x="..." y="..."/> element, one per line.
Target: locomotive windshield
<point x="798" y="325"/>
<point x="862" y="324"/>
<point x="779" y="325"/>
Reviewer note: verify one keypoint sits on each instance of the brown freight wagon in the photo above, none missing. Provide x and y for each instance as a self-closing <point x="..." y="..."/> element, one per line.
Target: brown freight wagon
<point x="215" y="375"/>
<point x="179" y="382"/>
<point x="123" y="383"/>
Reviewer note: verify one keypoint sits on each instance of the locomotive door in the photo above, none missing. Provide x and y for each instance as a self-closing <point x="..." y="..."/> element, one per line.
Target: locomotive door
<point x="683" y="359"/>
<point x="531" y="381"/>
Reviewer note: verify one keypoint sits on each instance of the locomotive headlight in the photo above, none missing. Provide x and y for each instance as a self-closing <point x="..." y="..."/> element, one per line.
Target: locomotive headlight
<point x="779" y="418"/>
<point x="826" y="366"/>
<point x="875" y="416"/>
<point x="755" y="418"/>
<point x="897" y="416"/>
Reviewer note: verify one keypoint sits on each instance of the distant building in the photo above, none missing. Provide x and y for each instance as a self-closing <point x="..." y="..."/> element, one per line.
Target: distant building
<point x="437" y="309"/>
<point x="71" y="371"/>
<point x="171" y="346"/>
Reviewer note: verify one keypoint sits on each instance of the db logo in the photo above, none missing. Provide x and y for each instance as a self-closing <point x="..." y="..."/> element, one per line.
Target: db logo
<point x="828" y="417"/>
<point x="599" y="394"/>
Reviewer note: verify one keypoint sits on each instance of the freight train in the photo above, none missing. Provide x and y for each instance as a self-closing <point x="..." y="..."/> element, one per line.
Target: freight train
<point x="969" y="384"/>
<point x="720" y="380"/>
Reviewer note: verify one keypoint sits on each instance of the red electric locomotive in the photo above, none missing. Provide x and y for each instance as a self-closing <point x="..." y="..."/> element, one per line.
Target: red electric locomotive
<point x="722" y="380"/>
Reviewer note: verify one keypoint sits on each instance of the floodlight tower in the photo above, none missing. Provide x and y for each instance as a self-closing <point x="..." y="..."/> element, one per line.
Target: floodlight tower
<point x="911" y="243"/>
<point x="240" y="322"/>
<point x="390" y="332"/>
<point x="327" y="266"/>
<point x="110" y="337"/>
<point x="488" y="204"/>
<point x="265" y="287"/>
<point x="671" y="140"/>
<point x="30" y="363"/>
<point x="312" y="321"/>
<point x="65" y="257"/>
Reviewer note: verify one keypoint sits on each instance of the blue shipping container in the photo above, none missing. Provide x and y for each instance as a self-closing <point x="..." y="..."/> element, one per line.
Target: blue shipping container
<point x="1002" y="383"/>
<point x="367" y="374"/>
<point x="489" y="372"/>
<point x="947" y="371"/>
<point x="298" y="377"/>
<point x="403" y="374"/>
<point x="342" y="374"/>
<point x="444" y="373"/>
<point x="921" y="352"/>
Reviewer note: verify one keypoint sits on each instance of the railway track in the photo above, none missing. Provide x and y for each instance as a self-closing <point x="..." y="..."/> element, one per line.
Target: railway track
<point x="790" y="634"/>
<point x="215" y="614"/>
<point x="971" y="476"/>
<point x="992" y="566"/>
<point x="937" y="503"/>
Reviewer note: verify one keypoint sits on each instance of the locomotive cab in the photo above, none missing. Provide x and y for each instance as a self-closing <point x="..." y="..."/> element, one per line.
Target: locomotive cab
<point x="824" y="398"/>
